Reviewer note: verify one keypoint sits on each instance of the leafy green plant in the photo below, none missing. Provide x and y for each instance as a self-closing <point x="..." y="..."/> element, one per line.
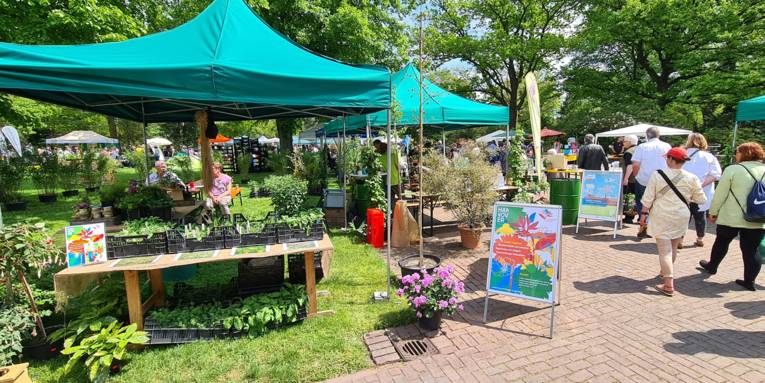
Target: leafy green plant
<point x="197" y="231"/>
<point x="279" y="163"/>
<point x="108" y="343"/>
<point x="304" y="219"/>
<point x="349" y="157"/>
<point x="153" y="197"/>
<point x="12" y="174"/>
<point x="111" y="194"/>
<point x="46" y="173"/>
<point x="70" y="174"/>
<point x="137" y="158"/>
<point x="288" y="193"/>
<point x="183" y="166"/>
<point x="15" y="323"/>
<point x="516" y="161"/>
<point x="253" y="315"/>
<point x="145" y="226"/>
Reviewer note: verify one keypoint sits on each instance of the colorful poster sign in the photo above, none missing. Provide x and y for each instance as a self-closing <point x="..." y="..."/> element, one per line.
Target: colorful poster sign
<point x="600" y="195"/>
<point x="525" y="251"/>
<point x="85" y="244"/>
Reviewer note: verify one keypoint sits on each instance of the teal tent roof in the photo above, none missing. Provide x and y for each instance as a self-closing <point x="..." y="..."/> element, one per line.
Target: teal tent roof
<point x="752" y="109"/>
<point x="440" y="108"/>
<point x="227" y="58"/>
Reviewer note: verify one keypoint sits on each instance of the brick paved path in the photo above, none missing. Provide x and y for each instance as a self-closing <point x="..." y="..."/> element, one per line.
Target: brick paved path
<point x="611" y="325"/>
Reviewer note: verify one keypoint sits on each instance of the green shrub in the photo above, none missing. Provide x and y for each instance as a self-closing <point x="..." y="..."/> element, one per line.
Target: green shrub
<point x="137" y="158"/>
<point x="279" y="163"/>
<point x="111" y="194"/>
<point x="71" y="174"/>
<point x="183" y="167"/>
<point x="15" y="323"/>
<point x="288" y="193"/>
<point x="108" y="343"/>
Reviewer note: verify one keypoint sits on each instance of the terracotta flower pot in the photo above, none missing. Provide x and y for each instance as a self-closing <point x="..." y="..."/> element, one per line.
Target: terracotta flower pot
<point x="471" y="238"/>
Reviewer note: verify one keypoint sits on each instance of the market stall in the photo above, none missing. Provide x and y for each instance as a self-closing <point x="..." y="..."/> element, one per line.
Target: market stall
<point x="639" y="130"/>
<point x="752" y="109"/>
<point x="204" y="71"/>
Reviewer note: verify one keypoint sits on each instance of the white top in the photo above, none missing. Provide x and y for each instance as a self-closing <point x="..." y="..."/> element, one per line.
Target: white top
<point x="650" y="155"/>
<point x="704" y="164"/>
<point x="668" y="218"/>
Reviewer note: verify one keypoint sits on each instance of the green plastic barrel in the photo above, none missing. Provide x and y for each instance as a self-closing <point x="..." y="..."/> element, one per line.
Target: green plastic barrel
<point x="362" y="198"/>
<point x="565" y="192"/>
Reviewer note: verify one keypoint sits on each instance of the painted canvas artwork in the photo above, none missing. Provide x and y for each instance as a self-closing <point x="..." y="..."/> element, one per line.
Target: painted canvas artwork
<point x="601" y="191"/>
<point x="85" y="244"/>
<point x="524" y="253"/>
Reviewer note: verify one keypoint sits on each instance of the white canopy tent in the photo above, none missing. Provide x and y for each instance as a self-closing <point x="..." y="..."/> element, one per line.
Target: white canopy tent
<point x="639" y="130"/>
<point x="12" y="135"/>
<point x="81" y="137"/>
<point x="498" y="135"/>
<point x="265" y="140"/>
<point x="158" y="141"/>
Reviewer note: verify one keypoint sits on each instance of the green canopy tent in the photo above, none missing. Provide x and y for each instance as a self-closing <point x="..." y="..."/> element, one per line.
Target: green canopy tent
<point x="226" y="59"/>
<point x="752" y="109"/>
<point x="440" y="108"/>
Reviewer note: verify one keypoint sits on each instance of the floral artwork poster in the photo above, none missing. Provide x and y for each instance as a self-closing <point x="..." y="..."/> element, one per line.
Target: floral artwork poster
<point x="525" y="251"/>
<point x="85" y="244"/>
<point x="600" y="195"/>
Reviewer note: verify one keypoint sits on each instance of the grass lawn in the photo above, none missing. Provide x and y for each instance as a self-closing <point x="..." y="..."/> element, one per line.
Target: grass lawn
<point x="314" y="350"/>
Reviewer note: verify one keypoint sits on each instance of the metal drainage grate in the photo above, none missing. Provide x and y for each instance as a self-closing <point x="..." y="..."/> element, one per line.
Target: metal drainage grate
<point x="410" y="349"/>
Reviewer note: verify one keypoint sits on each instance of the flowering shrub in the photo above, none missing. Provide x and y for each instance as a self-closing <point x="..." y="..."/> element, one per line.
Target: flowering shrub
<point x="432" y="293"/>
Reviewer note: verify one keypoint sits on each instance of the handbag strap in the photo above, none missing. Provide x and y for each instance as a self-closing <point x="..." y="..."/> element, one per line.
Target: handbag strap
<point x="755" y="180"/>
<point x="674" y="189"/>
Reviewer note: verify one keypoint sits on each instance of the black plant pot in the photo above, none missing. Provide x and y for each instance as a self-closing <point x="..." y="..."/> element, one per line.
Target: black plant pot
<point x="16" y="206"/>
<point x="430" y="324"/>
<point x="39" y="348"/>
<point x="44" y="198"/>
<point x="132" y="214"/>
<point x="92" y="189"/>
<point x="70" y="193"/>
<point x="410" y="264"/>
<point x="163" y="213"/>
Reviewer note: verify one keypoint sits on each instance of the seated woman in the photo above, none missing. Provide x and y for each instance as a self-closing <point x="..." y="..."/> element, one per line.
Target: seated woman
<point x="220" y="192"/>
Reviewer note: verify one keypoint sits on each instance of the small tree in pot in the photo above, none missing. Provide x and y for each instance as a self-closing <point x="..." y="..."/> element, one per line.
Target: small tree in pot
<point x="467" y="186"/>
<point x="12" y="171"/>
<point x="46" y="176"/>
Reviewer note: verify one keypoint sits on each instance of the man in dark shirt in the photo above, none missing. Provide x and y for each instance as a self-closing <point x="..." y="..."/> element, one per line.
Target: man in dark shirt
<point x="591" y="156"/>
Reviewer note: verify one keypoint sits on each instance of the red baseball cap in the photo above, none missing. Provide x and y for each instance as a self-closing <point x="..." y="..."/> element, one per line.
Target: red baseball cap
<point x="678" y="153"/>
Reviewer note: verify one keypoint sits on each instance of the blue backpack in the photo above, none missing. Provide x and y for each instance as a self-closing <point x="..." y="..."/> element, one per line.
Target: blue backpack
<point x="755" y="203"/>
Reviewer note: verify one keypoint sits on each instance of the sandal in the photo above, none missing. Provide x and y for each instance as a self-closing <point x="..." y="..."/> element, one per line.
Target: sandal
<point x="664" y="290"/>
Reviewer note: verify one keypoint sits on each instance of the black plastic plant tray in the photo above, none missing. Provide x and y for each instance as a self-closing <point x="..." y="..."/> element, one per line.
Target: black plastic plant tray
<point x="216" y="240"/>
<point x="289" y="234"/>
<point x="267" y="236"/>
<point x="296" y="267"/>
<point x="260" y="275"/>
<point x="135" y="245"/>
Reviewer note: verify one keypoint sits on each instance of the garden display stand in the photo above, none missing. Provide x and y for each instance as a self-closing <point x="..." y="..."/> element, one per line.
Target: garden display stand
<point x="137" y="307"/>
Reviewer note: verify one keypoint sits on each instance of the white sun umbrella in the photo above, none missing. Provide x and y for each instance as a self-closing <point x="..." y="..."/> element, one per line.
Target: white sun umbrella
<point x="158" y="141"/>
<point x="639" y="130"/>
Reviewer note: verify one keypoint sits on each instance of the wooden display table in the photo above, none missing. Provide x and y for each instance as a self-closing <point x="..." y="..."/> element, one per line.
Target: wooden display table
<point x="137" y="307"/>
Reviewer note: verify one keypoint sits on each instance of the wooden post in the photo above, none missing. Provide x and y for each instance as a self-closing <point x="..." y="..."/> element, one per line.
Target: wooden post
<point x="310" y="283"/>
<point x="133" y="291"/>
<point x="157" y="287"/>
<point x="32" y="303"/>
<point x="205" y="152"/>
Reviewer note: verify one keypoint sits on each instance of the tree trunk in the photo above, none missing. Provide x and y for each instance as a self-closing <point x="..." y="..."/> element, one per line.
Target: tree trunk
<point x="112" y="121"/>
<point x="513" y="104"/>
<point x="285" y="129"/>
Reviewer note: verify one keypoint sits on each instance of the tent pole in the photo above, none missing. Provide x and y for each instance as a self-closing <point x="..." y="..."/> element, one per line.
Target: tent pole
<point x="443" y="142"/>
<point x="733" y="148"/>
<point x="145" y="140"/>
<point x="345" y="203"/>
<point x="389" y="212"/>
<point x="420" y="154"/>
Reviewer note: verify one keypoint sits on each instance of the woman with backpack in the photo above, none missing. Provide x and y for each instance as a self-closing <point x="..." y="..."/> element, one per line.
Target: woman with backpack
<point x="665" y="207"/>
<point x="705" y="166"/>
<point x="737" y="207"/>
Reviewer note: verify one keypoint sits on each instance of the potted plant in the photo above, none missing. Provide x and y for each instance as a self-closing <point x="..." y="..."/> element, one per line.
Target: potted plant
<point x="45" y="176"/>
<point x="16" y="322"/>
<point x="467" y="186"/>
<point x="12" y="172"/>
<point x="243" y="164"/>
<point x="102" y="352"/>
<point x="25" y="248"/>
<point x="288" y="193"/>
<point x="155" y="202"/>
<point x="70" y="176"/>
<point x="431" y="295"/>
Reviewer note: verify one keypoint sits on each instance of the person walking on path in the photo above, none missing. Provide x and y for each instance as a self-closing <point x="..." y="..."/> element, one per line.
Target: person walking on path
<point x="726" y="210"/>
<point x="591" y="156"/>
<point x="705" y="166"/>
<point x="647" y="159"/>
<point x="666" y="199"/>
